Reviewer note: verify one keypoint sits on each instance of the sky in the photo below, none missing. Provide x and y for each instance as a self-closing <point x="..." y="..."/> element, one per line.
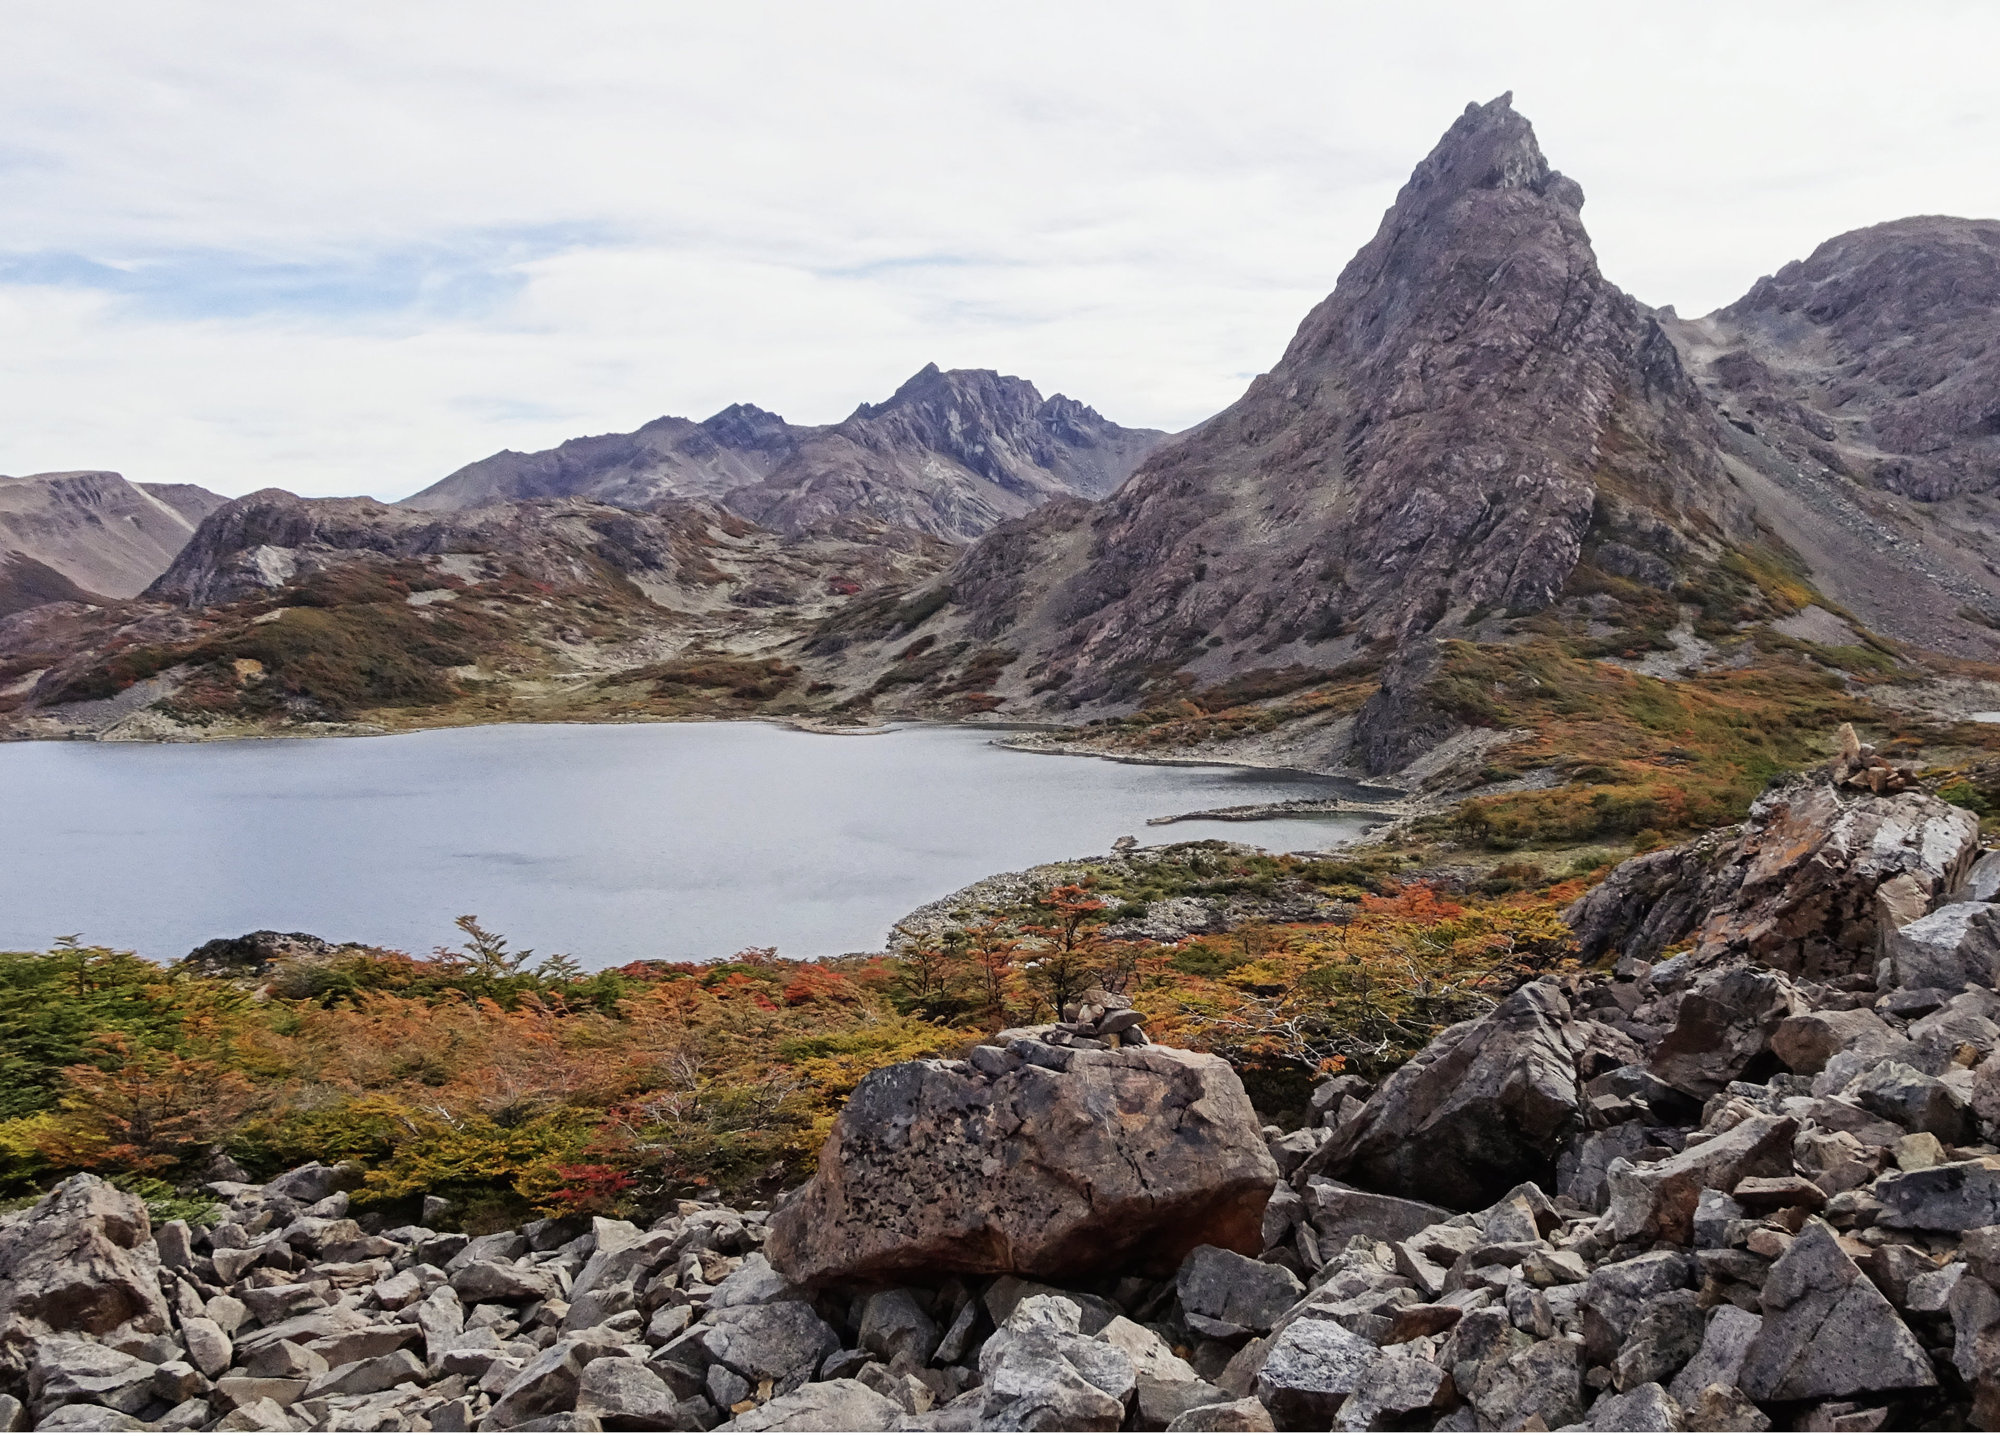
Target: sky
<point x="348" y="248"/>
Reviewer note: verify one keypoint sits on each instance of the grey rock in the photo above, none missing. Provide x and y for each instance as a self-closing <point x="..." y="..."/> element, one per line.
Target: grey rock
<point x="1247" y="1414"/>
<point x="1723" y="1024"/>
<point x="503" y="1282"/>
<point x="285" y="1359"/>
<point x="1042" y="1374"/>
<point x="1546" y="1380"/>
<point x="81" y="1261"/>
<point x="367" y="1376"/>
<point x="969" y="1183"/>
<point x="1392" y="1391"/>
<point x="725" y="1388"/>
<point x="894" y="1323"/>
<point x="1617" y="1293"/>
<point x="1953" y="1197"/>
<point x="625" y="1394"/>
<point x="1309" y="1369"/>
<point x="753" y="1284"/>
<point x="63" y="1370"/>
<point x="844" y="1405"/>
<point x="1950" y="949"/>
<point x="1226" y="1295"/>
<point x="1728" y="1336"/>
<point x="1340" y="1212"/>
<point x="311" y="1183"/>
<point x="1827" y="1331"/>
<point x="1658" y="1199"/>
<point x="1665" y="1338"/>
<point x="1807" y="1041"/>
<point x="98" y="1418"/>
<point x="1914" y="1101"/>
<point x="207" y="1347"/>
<point x="1644" y="1408"/>
<point x="768" y="1341"/>
<point x="547" y="1384"/>
<point x="1483" y="1106"/>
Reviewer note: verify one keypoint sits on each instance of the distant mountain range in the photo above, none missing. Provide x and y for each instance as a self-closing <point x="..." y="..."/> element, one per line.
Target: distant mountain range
<point x="950" y="454"/>
<point x="1476" y="436"/>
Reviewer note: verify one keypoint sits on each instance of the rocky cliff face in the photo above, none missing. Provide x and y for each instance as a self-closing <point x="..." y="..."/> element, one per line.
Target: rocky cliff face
<point x="1859" y="387"/>
<point x="950" y="454"/>
<point x="101" y="533"/>
<point x="1436" y="443"/>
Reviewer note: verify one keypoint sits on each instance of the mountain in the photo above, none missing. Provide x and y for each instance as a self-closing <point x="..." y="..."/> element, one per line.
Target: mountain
<point x="951" y="453"/>
<point x="95" y="529"/>
<point x="1479" y="436"/>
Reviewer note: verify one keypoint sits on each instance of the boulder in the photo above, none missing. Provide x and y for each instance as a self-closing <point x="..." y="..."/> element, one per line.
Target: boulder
<point x="1071" y="1162"/>
<point x="1728" y="1336"/>
<point x="1545" y="1380"/>
<point x="1954" y="948"/>
<point x="1658" y="1199"/>
<point x="1793" y="888"/>
<point x="1042" y="1374"/>
<point x="1309" y="1369"/>
<point x="894" y="1323"/>
<point x="1225" y="1295"/>
<point x="843" y="1405"/>
<point x="547" y="1384"/>
<point x="1951" y="1197"/>
<point x="1913" y="1100"/>
<point x="762" y="1342"/>
<point x="1392" y="1392"/>
<point x="1485" y="1105"/>
<point x="1807" y="1041"/>
<point x="1617" y="1293"/>
<point x="625" y="1394"/>
<point x="83" y="1263"/>
<point x="1827" y="1331"/>
<point x="1723" y="1024"/>
<point x="1340" y="1211"/>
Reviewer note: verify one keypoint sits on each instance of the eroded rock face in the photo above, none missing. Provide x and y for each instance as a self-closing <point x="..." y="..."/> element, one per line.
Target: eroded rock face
<point x="82" y="1263"/>
<point x="1064" y="1161"/>
<point x="1487" y="1105"/>
<point x="1793" y="889"/>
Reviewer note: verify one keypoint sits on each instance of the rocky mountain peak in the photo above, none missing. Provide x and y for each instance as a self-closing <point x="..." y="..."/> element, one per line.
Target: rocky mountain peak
<point x="1429" y="447"/>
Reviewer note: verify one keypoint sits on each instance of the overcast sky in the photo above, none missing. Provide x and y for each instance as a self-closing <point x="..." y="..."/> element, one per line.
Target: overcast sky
<point x="348" y="248"/>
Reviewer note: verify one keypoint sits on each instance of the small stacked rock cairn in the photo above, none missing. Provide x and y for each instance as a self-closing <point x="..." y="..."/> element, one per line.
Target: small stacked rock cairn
<point x="1857" y="765"/>
<point x="1097" y="1020"/>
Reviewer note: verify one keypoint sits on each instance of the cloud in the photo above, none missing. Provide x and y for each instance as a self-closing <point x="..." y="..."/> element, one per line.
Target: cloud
<point x="348" y="249"/>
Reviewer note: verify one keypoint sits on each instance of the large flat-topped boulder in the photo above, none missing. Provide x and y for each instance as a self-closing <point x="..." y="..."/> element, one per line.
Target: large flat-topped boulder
<point x="1039" y="1160"/>
<point x="1795" y="888"/>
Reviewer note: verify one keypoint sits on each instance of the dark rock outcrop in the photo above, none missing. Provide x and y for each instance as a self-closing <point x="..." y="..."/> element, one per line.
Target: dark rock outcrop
<point x="1796" y="888"/>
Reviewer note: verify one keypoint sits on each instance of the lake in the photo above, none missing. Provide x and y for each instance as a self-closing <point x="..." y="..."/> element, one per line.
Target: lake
<point x="609" y="842"/>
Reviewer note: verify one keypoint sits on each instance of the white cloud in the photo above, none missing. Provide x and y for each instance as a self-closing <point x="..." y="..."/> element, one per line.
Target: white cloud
<point x="349" y="248"/>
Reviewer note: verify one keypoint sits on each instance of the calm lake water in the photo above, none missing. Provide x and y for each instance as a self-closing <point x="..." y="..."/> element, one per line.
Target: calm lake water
<point x="608" y="842"/>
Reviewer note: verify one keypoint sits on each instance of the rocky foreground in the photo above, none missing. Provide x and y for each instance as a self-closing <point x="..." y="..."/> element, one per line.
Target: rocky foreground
<point x="1743" y="1180"/>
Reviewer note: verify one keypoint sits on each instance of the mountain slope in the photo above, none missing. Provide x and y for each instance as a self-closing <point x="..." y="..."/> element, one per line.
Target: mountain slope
<point x="950" y="454"/>
<point x="1862" y="387"/>
<point x="100" y="532"/>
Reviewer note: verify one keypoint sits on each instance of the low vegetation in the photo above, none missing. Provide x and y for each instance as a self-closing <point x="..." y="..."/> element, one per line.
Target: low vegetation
<point x="513" y="1086"/>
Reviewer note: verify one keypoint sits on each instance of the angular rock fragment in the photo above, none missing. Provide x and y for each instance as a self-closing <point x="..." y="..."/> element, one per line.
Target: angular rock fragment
<point x="1827" y="1331"/>
<point x="1659" y="1198"/>
<point x="1309" y="1369"/>
<point x="1951" y="949"/>
<point x="1486" y="1105"/>
<point x="843" y="1405"/>
<point x="1225" y="1295"/>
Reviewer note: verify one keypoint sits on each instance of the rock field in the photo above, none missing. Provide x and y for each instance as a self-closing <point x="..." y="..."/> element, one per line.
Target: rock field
<point x="1748" y="1186"/>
